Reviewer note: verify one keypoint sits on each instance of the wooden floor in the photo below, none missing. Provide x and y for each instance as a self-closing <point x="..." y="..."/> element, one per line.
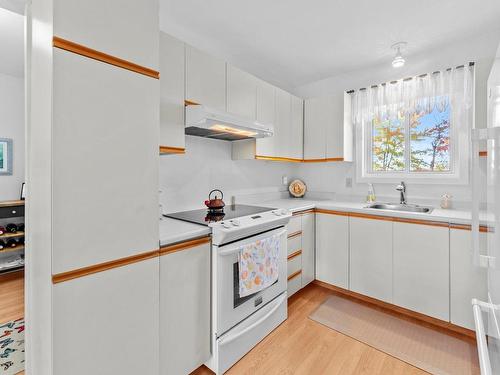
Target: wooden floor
<point x="12" y="298"/>
<point x="302" y="346"/>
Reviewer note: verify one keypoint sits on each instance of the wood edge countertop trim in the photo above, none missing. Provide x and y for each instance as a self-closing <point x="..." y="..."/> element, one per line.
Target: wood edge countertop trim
<point x="401" y="311"/>
<point x="294" y="254"/>
<point x="96" y="268"/>
<point x="482" y="228"/>
<point x="15" y="203"/>
<point x="293" y="275"/>
<point x="103" y="57"/>
<point x="296" y="160"/>
<point x="184" y="245"/>
<point x="172" y="150"/>
<point x="304" y="212"/>
<point x="483" y="153"/>
<point x="295" y="234"/>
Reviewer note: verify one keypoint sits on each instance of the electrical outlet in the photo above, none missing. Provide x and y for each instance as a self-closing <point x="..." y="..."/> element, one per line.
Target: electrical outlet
<point x="348" y="182"/>
<point x="284" y="180"/>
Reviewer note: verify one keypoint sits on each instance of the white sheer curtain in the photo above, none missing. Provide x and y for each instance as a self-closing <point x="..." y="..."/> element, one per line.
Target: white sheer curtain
<point x="453" y="87"/>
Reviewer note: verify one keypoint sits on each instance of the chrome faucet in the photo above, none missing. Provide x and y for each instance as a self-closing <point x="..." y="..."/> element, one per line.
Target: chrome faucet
<point x="402" y="190"/>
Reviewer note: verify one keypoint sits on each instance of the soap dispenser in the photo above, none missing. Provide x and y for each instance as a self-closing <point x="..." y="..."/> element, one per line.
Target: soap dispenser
<point x="370" y="198"/>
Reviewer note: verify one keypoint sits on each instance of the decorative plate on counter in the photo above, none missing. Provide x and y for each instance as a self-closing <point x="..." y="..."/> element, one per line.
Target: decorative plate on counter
<point x="297" y="188"/>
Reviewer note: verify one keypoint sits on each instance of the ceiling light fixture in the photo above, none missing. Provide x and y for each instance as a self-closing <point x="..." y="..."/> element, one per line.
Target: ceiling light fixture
<point x="398" y="60"/>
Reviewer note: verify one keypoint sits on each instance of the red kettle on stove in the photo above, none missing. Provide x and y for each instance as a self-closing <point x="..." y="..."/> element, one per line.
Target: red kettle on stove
<point x="215" y="203"/>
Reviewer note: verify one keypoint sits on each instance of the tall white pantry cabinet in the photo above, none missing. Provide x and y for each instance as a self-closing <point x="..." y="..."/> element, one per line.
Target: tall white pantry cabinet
<point x="102" y="126"/>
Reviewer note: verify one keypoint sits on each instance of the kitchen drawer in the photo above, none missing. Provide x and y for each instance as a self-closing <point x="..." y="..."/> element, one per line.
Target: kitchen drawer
<point x="8" y="212"/>
<point x="294" y="264"/>
<point x="295" y="224"/>
<point x="294" y="284"/>
<point x="294" y="244"/>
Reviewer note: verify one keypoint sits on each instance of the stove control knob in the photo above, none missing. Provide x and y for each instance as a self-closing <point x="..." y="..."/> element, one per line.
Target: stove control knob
<point x="226" y="225"/>
<point x="235" y="222"/>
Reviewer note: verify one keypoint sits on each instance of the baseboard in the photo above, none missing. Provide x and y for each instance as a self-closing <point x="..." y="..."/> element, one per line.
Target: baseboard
<point x="401" y="311"/>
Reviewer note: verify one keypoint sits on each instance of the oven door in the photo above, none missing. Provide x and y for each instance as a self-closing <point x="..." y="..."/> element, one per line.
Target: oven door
<point x="230" y="308"/>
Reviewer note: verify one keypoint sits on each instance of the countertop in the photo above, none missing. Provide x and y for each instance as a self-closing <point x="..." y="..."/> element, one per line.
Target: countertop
<point x="438" y="214"/>
<point x="173" y="231"/>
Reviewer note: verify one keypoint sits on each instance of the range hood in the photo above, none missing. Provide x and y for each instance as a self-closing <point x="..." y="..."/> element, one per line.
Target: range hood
<point x="211" y="123"/>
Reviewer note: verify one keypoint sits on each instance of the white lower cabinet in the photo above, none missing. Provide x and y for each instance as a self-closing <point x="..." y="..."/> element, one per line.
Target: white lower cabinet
<point x="184" y="310"/>
<point x="107" y="322"/>
<point x="371" y="258"/>
<point x="467" y="281"/>
<point x="421" y="268"/>
<point x="308" y="242"/>
<point x="332" y="249"/>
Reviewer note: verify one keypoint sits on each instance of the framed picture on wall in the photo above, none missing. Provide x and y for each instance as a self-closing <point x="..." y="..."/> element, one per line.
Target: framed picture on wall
<point x="5" y="156"/>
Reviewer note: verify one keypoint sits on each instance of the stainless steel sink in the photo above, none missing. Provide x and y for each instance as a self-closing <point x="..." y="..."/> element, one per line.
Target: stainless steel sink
<point x="401" y="207"/>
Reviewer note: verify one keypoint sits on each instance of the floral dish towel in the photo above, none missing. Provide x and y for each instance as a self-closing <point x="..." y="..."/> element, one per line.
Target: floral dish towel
<point x="258" y="265"/>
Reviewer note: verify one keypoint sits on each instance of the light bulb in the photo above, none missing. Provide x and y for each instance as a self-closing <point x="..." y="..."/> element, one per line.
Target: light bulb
<point x="398" y="61"/>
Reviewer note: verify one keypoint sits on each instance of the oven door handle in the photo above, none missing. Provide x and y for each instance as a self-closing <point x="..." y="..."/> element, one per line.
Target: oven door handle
<point x="235" y="250"/>
<point x="227" y="340"/>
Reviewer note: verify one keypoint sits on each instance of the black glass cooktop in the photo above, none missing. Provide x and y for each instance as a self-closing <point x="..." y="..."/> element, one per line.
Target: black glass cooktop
<point x="205" y="217"/>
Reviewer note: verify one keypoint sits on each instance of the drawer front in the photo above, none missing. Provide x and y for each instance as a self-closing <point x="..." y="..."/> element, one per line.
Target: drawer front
<point x="8" y="212"/>
<point x="294" y="244"/>
<point x="294" y="264"/>
<point x="294" y="284"/>
<point x="295" y="224"/>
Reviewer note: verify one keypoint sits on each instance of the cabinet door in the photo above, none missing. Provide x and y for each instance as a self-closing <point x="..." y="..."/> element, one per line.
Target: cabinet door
<point x="241" y="93"/>
<point x="334" y="113"/>
<point x="296" y="135"/>
<point x="282" y="123"/>
<point x="184" y="310"/>
<point x="107" y="322"/>
<point x="332" y="249"/>
<point x="266" y="107"/>
<point x="92" y="164"/>
<point x="371" y="258"/>
<point x="467" y="281"/>
<point x="421" y="269"/>
<point x="308" y="252"/>
<point x="172" y="65"/>
<point x="315" y="128"/>
<point x="205" y="79"/>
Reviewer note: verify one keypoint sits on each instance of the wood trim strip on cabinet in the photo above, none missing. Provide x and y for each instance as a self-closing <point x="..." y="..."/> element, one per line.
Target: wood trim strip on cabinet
<point x="295" y="234"/>
<point x="172" y="150"/>
<point x="96" y="268"/>
<point x="422" y="222"/>
<point x="483" y="153"/>
<point x="401" y="311"/>
<point x="331" y="212"/>
<point x="189" y="102"/>
<point x="12" y="203"/>
<point x="277" y="158"/>
<point x="103" y="57"/>
<point x="184" y="245"/>
<point x="373" y="217"/>
<point x="323" y="160"/>
<point x="482" y="228"/>
<point x="305" y="212"/>
<point x="295" y="274"/>
<point x="294" y="254"/>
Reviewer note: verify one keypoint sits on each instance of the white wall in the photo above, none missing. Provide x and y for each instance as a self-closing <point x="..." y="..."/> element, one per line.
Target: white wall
<point x="331" y="176"/>
<point x="186" y="180"/>
<point x="12" y="126"/>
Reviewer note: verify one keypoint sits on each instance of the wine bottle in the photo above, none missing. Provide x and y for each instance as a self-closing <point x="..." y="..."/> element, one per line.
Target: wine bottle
<point x="20" y="240"/>
<point x="11" y="228"/>
<point x="20" y="227"/>
<point x="11" y="242"/>
<point x="2" y="230"/>
<point x="2" y="244"/>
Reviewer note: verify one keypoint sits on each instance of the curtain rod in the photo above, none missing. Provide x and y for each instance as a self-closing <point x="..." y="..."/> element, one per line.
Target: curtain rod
<point x="472" y="63"/>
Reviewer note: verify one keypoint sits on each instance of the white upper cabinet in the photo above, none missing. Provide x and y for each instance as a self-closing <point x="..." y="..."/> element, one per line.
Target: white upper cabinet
<point x="241" y="93"/>
<point x="172" y="66"/>
<point x="421" y="269"/>
<point x="205" y="79"/>
<point x="315" y="120"/>
<point x="327" y="128"/>
<point x="282" y="122"/>
<point x="296" y="133"/>
<point x="265" y="102"/>
<point x="88" y="23"/>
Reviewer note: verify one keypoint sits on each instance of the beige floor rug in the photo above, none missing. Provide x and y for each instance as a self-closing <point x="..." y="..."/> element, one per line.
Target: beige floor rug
<point x="422" y="347"/>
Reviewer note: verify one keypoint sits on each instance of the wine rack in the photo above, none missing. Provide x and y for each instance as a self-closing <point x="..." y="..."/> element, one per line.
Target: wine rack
<point x="11" y="258"/>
